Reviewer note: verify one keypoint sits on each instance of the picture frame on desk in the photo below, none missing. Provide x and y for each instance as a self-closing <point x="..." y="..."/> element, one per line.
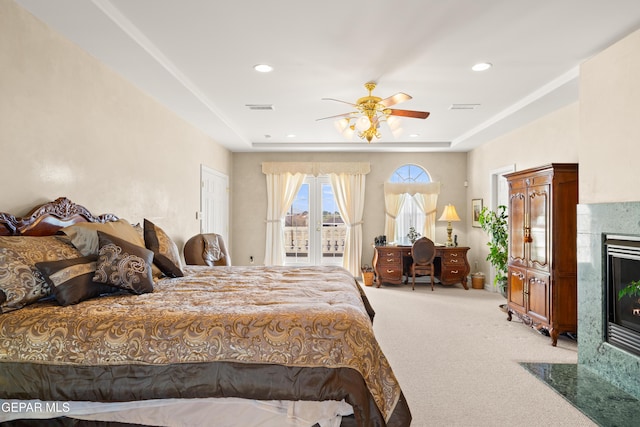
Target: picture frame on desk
<point x="476" y="207"/>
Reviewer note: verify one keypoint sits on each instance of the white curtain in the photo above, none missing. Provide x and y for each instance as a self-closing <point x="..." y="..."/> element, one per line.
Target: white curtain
<point x="392" y="203"/>
<point x="425" y="196"/>
<point x="282" y="189"/>
<point x="348" y="190"/>
<point x="427" y="202"/>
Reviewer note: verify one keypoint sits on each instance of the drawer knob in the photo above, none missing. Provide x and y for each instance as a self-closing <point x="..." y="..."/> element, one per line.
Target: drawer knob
<point x="454" y="271"/>
<point x="454" y="260"/>
<point x="390" y="259"/>
<point x="454" y="254"/>
<point x="390" y="271"/>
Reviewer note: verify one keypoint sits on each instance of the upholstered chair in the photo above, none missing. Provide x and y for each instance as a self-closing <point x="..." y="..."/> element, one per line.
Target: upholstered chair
<point x="423" y="252"/>
<point x="206" y="249"/>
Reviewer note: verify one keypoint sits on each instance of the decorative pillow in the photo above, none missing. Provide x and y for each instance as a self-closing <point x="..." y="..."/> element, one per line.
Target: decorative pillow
<point x="71" y="280"/>
<point x="84" y="235"/>
<point x="165" y="252"/>
<point x="20" y="281"/>
<point x="212" y="251"/>
<point x="123" y="264"/>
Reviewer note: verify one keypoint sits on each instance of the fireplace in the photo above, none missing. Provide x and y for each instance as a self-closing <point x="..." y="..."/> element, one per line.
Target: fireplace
<point x="623" y="314"/>
<point x="601" y="349"/>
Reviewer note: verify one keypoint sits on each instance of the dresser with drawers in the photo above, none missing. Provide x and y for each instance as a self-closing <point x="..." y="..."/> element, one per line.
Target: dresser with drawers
<point x="391" y="264"/>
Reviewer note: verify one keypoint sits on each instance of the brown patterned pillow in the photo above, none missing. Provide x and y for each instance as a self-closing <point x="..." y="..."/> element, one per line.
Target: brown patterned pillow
<point x="20" y="280"/>
<point x="71" y="280"/>
<point x="123" y="264"/>
<point x="165" y="252"/>
<point x="84" y="235"/>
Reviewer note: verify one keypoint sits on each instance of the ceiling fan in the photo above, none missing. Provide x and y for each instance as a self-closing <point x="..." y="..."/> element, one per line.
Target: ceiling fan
<point x="371" y="110"/>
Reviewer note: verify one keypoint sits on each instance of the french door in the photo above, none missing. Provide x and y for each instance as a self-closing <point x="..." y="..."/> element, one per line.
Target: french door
<point x="314" y="232"/>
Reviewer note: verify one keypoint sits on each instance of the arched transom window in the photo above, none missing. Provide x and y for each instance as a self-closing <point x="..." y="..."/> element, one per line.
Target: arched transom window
<point x="410" y="173"/>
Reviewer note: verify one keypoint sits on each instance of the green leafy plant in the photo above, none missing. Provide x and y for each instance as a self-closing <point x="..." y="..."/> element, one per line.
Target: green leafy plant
<point x="632" y="289"/>
<point x="495" y="224"/>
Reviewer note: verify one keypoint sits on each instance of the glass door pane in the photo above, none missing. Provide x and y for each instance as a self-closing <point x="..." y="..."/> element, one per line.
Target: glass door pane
<point x="296" y="229"/>
<point x="333" y="229"/>
<point x="539" y="218"/>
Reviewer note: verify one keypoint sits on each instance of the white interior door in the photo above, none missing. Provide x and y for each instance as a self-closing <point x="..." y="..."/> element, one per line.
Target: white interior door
<point x="214" y="202"/>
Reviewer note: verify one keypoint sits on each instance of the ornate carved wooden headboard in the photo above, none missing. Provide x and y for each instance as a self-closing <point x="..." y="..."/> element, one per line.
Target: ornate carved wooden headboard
<point x="47" y="219"/>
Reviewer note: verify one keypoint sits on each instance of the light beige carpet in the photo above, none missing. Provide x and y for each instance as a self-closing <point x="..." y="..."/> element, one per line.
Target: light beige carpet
<point x="456" y="358"/>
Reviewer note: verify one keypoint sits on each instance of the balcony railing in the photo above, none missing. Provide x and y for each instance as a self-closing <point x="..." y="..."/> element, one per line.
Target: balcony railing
<point x="296" y="240"/>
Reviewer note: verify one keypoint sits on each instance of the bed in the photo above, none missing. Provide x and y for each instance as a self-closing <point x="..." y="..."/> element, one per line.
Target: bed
<point x="229" y="345"/>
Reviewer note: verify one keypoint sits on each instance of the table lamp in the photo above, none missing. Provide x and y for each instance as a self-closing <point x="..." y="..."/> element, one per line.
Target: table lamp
<point x="449" y="215"/>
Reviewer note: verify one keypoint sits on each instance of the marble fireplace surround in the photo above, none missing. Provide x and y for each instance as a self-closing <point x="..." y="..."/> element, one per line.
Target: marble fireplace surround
<point x="617" y="366"/>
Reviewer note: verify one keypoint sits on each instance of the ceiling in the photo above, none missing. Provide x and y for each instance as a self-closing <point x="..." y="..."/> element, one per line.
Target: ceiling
<point x="197" y="57"/>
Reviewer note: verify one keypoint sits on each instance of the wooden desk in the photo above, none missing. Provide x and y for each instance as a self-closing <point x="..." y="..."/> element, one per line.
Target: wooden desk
<point x="391" y="263"/>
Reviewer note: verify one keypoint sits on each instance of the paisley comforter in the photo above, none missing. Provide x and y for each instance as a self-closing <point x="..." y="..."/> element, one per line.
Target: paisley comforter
<point x="253" y="332"/>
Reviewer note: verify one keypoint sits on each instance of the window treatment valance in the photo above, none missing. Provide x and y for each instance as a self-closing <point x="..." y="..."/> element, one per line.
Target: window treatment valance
<point x="317" y="168"/>
<point x="411" y="188"/>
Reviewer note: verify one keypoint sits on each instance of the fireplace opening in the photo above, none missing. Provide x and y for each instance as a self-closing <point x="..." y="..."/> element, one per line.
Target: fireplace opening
<point x="623" y="314"/>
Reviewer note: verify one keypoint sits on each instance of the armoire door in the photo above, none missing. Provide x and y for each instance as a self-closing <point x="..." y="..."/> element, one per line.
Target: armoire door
<point x="537" y="290"/>
<point x="516" y="292"/>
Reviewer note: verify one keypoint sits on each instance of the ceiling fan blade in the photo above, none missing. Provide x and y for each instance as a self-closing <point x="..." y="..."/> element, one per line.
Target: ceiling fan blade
<point x="338" y="115"/>
<point x="339" y="100"/>
<point x="410" y="113"/>
<point x="395" y="99"/>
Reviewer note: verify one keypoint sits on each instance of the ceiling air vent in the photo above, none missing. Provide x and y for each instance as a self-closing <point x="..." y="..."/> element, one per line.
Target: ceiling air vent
<point x="260" y="107"/>
<point x="463" y="106"/>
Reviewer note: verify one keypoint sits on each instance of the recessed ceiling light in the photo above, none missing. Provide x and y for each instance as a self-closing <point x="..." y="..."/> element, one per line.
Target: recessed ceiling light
<point x="291" y="135"/>
<point x="263" y="68"/>
<point x="481" y="66"/>
<point x="414" y="135"/>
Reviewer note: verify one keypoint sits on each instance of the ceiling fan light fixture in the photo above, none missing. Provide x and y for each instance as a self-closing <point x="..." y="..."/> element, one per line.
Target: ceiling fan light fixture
<point x="370" y="111"/>
<point x="393" y="122"/>
<point x="363" y="123"/>
<point x="342" y="124"/>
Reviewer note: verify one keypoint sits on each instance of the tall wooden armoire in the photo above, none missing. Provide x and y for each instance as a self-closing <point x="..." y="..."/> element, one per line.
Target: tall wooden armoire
<point x="542" y="287"/>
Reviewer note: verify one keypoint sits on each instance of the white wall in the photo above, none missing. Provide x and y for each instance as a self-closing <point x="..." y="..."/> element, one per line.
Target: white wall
<point x="70" y="126"/>
<point x="610" y="124"/>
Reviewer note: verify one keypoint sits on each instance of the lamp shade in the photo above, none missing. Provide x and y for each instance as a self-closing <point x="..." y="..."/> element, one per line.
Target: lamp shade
<point x="449" y="214"/>
<point x="363" y="123"/>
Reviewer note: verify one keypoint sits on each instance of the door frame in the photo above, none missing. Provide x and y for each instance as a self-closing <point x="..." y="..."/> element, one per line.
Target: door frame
<point x="494" y="198"/>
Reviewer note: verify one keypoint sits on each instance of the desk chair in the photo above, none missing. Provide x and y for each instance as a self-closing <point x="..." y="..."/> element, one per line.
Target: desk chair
<point x="423" y="252"/>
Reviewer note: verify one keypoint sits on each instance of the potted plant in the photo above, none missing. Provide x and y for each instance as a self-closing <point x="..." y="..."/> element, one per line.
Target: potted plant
<point x="495" y="224"/>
